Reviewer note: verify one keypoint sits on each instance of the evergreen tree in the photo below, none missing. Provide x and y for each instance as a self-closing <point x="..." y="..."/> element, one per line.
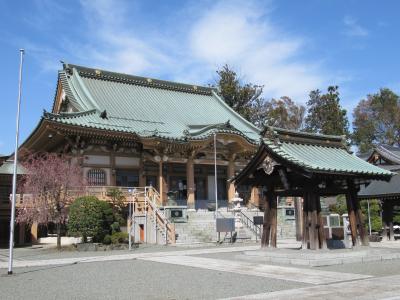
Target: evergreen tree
<point x="325" y="114"/>
<point x="242" y="97"/>
<point x="377" y="120"/>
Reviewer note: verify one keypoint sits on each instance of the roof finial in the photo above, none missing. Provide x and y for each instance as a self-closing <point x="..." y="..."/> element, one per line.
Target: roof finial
<point x="103" y="115"/>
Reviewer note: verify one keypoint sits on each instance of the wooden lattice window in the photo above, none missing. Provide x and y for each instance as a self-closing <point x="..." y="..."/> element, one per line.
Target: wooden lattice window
<point x="96" y="177"/>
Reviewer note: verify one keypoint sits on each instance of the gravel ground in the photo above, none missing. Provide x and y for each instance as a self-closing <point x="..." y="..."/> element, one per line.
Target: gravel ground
<point x="133" y="279"/>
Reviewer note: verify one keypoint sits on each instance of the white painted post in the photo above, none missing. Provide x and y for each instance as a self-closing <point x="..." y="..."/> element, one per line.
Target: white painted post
<point x="369" y="219"/>
<point x="215" y="175"/>
<point x="14" y="180"/>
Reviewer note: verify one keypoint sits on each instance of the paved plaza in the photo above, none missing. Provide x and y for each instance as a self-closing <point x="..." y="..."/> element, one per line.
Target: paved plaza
<point x="214" y="272"/>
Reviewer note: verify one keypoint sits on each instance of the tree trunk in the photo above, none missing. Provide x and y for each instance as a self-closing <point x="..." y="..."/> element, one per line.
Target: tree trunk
<point x="59" y="236"/>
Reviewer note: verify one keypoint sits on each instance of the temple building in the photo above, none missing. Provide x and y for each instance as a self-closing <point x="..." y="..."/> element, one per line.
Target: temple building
<point x="134" y="131"/>
<point x="388" y="193"/>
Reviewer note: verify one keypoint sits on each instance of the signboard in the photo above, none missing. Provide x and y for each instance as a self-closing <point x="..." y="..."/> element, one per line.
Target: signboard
<point x="290" y="212"/>
<point x="225" y="224"/>
<point x="258" y="220"/>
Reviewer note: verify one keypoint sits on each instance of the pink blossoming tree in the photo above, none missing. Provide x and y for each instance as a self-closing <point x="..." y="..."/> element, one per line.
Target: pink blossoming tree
<point x="52" y="182"/>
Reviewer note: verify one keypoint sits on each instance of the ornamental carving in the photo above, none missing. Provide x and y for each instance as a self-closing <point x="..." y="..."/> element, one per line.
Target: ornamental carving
<point x="268" y="165"/>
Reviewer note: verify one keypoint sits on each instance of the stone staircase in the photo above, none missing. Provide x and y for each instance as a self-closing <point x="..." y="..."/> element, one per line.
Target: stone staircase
<point x="200" y="229"/>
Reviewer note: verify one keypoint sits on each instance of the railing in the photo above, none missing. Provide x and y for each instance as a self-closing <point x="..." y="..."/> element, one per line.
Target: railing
<point x="160" y="222"/>
<point x="256" y="229"/>
<point x="146" y="202"/>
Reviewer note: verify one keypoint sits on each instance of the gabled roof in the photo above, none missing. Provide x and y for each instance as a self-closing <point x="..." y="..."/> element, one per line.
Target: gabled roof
<point x="318" y="153"/>
<point x="7" y="168"/>
<point x="388" y="153"/>
<point x="146" y="107"/>
<point x="313" y="154"/>
<point x="381" y="189"/>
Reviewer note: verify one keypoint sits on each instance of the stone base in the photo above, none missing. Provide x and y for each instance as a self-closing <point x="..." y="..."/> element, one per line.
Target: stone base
<point x="318" y="258"/>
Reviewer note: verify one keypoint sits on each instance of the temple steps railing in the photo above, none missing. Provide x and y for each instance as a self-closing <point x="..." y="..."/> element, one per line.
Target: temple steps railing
<point x="145" y="202"/>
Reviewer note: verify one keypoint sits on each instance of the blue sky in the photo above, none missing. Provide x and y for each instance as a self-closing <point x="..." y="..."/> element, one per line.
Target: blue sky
<point x="291" y="47"/>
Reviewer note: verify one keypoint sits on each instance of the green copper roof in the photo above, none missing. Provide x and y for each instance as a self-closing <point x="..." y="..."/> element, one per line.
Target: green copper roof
<point x="146" y="107"/>
<point x="318" y="153"/>
<point x="7" y="168"/>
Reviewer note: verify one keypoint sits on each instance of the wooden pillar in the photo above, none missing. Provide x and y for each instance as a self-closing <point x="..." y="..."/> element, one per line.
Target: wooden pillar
<point x="387" y="220"/>
<point x="321" y="229"/>
<point x="142" y="176"/>
<point x="352" y="218"/>
<point x="270" y="220"/>
<point x="161" y="182"/>
<point x="360" y="221"/>
<point x="313" y="236"/>
<point x="113" y="177"/>
<point x="34" y="233"/>
<point x="266" y="226"/>
<point x="391" y="229"/>
<point x="313" y="221"/>
<point x="231" y="173"/>
<point x="190" y="183"/>
<point x="356" y="217"/>
<point x="21" y="237"/>
<point x="299" y="217"/>
<point x="274" y="218"/>
<point x="305" y="225"/>
<point x="255" y="196"/>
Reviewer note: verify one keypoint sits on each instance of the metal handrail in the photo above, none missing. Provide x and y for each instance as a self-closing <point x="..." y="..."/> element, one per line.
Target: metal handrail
<point x="164" y="221"/>
<point x="250" y="224"/>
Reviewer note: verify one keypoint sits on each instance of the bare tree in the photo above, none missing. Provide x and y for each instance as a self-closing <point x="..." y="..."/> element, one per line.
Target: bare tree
<point x="48" y="184"/>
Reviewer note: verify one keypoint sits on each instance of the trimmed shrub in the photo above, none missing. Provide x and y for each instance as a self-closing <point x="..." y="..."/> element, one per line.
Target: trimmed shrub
<point x="107" y="239"/>
<point x="88" y="216"/>
<point x="115" y="227"/>
<point x="119" y="238"/>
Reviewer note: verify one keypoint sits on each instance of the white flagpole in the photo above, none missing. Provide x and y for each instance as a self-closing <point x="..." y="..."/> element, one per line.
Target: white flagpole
<point x="215" y="175"/>
<point x="14" y="182"/>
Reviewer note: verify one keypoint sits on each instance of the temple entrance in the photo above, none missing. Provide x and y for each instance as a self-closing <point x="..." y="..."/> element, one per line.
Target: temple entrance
<point x="127" y="178"/>
<point x="141" y="232"/>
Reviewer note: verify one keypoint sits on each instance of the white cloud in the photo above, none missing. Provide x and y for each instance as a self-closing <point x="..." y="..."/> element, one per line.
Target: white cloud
<point x="241" y="35"/>
<point x="353" y="28"/>
<point x="196" y="44"/>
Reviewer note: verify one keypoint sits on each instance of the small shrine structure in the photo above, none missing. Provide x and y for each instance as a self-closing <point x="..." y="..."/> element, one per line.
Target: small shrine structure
<point x="298" y="164"/>
<point x="388" y="193"/>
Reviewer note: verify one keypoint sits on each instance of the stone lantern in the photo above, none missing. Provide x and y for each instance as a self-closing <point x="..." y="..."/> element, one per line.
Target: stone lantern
<point x="237" y="208"/>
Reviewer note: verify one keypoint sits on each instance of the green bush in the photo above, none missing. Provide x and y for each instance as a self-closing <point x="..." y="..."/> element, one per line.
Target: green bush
<point x="107" y="239"/>
<point x="85" y="218"/>
<point x="115" y="227"/>
<point x="375" y="213"/>
<point x="119" y="238"/>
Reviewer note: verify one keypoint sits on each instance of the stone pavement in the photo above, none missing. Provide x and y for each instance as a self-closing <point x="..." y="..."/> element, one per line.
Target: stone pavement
<point x="21" y="263"/>
<point x="310" y="276"/>
<point x="385" y="288"/>
<point x="208" y="273"/>
<point x="323" y="257"/>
